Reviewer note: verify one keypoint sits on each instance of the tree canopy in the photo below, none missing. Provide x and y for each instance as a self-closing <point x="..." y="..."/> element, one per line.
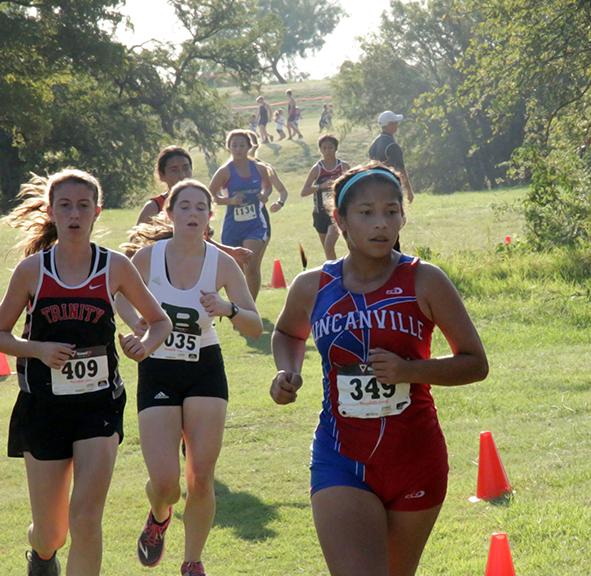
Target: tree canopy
<point x="414" y="64"/>
<point x="302" y="26"/>
<point x="494" y="92"/>
<point x="74" y="95"/>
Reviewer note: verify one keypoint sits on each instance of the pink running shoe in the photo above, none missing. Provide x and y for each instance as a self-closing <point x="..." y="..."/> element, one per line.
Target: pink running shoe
<point x="150" y="544"/>
<point x="192" y="569"/>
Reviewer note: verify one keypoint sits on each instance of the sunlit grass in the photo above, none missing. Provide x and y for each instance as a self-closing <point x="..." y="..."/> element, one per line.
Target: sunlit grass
<point x="534" y="315"/>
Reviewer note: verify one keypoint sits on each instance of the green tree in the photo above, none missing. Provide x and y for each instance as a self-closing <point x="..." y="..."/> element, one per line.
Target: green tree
<point x="303" y="26"/>
<point x="414" y="64"/>
<point x="540" y="54"/>
<point x="76" y="96"/>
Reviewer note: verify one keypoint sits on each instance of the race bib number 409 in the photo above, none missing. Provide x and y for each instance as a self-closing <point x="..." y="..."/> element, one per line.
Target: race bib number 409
<point x="87" y="371"/>
<point x="362" y="395"/>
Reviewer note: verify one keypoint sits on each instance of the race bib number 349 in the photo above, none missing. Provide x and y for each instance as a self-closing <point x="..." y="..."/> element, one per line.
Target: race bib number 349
<point x="362" y="395"/>
<point x="87" y="371"/>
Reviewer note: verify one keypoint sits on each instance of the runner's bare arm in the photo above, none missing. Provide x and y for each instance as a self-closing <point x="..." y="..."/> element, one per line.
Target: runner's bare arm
<point x="126" y="279"/>
<point x="149" y="210"/>
<point x="141" y="260"/>
<point x="289" y="337"/>
<point x="20" y="290"/>
<point x="217" y="184"/>
<point x="309" y="187"/>
<point x="247" y="321"/>
<point x="241" y="254"/>
<point x="280" y="187"/>
<point x="439" y="301"/>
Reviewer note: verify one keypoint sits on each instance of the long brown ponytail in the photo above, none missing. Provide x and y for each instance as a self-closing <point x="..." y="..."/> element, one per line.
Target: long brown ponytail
<point x="36" y="196"/>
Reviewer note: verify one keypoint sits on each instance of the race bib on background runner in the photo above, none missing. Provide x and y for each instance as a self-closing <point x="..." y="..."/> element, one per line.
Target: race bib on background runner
<point x="245" y="213"/>
<point x="248" y="211"/>
<point x="362" y="395"/>
<point x="87" y="371"/>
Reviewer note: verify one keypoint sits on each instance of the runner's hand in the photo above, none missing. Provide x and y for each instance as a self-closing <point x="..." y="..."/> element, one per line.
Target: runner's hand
<point x="241" y="255"/>
<point x="132" y="347"/>
<point x="237" y="200"/>
<point x="214" y="304"/>
<point x="55" y="354"/>
<point x="387" y="366"/>
<point x="285" y="386"/>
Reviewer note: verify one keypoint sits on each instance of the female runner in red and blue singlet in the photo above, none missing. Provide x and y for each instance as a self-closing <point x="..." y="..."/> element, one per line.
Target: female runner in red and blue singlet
<point x="379" y="461"/>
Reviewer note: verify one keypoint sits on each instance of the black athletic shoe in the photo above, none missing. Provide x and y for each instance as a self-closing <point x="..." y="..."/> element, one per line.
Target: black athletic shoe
<point x="150" y="544"/>
<point x="38" y="567"/>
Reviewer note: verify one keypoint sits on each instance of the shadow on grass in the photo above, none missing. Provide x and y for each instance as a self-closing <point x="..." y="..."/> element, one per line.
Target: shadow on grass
<point x="275" y="148"/>
<point x="305" y="149"/>
<point x="263" y="343"/>
<point x="245" y="514"/>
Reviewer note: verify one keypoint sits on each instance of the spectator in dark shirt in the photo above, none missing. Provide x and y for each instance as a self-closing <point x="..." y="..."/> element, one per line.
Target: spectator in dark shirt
<point x="385" y="149"/>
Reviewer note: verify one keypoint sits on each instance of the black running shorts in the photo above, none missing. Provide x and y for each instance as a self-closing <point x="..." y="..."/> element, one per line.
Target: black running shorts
<point x="48" y="429"/>
<point x="169" y="382"/>
<point x="321" y="221"/>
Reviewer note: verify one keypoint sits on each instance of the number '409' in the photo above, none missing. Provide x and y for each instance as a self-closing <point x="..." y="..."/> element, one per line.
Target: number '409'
<point x="80" y="369"/>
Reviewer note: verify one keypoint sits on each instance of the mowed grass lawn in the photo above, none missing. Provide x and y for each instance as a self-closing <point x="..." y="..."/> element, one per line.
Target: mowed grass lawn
<point x="533" y="314"/>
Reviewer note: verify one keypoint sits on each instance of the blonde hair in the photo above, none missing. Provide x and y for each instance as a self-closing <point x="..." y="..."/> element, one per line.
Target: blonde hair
<point x="160" y="226"/>
<point x="36" y="196"/>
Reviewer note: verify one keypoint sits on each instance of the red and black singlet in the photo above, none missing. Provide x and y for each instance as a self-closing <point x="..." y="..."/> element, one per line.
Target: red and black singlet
<point x="82" y="315"/>
<point x="322" y="197"/>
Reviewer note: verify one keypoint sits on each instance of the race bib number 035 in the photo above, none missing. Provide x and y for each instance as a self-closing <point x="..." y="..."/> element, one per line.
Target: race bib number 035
<point x="87" y="371"/>
<point x="362" y="395"/>
<point x="183" y="343"/>
<point x="179" y="346"/>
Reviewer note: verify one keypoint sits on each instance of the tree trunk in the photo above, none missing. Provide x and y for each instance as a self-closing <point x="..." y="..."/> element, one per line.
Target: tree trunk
<point x="12" y="173"/>
<point x="278" y="75"/>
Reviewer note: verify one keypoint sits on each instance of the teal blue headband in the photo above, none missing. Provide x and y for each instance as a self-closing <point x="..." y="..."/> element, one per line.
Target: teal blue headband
<point x="361" y="176"/>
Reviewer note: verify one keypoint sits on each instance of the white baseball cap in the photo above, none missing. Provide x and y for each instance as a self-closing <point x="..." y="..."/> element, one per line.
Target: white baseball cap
<point x="388" y="116"/>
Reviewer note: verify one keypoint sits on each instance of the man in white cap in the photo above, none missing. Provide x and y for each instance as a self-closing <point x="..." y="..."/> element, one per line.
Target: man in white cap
<point x="385" y="149"/>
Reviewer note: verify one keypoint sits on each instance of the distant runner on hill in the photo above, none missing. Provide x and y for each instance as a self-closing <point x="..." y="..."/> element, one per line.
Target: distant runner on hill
<point x="292" y="117"/>
<point x="263" y="117"/>
<point x="320" y="183"/>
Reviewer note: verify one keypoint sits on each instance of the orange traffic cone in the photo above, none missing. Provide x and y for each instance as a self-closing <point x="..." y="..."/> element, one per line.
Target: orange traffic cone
<point x="499" y="556"/>
<point x="493" y="483"/>
<point x="278" y="279"/>
<point x="4" y="366"/>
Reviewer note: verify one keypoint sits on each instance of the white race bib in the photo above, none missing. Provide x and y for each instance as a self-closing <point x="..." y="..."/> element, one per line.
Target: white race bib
<point x="362" y="395"/>
<point x="245" y="213"/>
<point x="179" y="346"/>
<point x="87" y="371"/>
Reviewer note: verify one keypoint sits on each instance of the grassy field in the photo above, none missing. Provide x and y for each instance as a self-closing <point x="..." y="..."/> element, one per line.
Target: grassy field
<point x="534" y="314"/>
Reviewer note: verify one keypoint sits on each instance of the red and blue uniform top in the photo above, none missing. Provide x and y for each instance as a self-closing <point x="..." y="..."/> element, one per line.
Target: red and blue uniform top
<point x="362" y="417"/>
